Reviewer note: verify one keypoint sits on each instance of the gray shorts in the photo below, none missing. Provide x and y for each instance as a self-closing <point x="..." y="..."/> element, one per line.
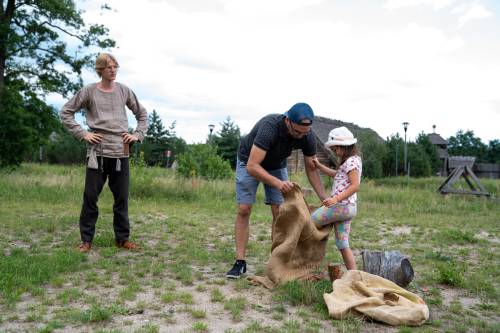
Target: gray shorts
<point x="246" y="186"/>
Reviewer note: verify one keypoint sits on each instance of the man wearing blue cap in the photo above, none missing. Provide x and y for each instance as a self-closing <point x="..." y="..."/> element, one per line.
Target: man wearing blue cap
<point x="262" y="158"/>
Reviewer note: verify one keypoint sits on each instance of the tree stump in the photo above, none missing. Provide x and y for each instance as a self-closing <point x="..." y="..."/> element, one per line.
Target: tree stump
<point x="391" y="265"/>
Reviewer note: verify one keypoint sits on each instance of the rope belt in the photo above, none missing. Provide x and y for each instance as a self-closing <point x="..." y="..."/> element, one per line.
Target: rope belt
<point x="93" y="164"/>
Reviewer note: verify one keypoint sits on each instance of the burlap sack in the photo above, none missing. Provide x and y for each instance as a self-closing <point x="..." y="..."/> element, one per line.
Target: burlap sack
<point x="298" y="245"/>
<point x="362" y="294"/>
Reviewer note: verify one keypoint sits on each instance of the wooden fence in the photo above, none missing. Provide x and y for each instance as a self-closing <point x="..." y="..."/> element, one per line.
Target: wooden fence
<point x="487" y="170"/>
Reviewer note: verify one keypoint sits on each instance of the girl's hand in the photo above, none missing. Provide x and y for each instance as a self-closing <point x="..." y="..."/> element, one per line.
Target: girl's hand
<point x="329" y="202"/>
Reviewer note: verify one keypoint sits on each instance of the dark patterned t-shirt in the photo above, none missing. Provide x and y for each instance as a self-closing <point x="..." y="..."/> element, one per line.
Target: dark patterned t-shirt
<point x="271" y="134"/>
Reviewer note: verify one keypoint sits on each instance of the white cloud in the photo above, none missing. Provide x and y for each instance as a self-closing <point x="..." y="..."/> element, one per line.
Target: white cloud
<point x="436" y="4"/>
<point x="265" y="7"/>
<point x="469" y="12"/>
<point x="247" y="59"/>
<point x="466" y="11"/>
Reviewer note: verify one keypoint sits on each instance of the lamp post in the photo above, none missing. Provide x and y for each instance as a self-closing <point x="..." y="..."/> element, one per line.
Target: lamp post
<point x="405" y="126"/>
<point x="397" y="150"/>
<point x="211" y="128"/>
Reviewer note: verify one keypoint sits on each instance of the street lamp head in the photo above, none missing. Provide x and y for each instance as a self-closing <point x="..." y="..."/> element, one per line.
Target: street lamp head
<point x="211" y="128"/>
<point x="405" y="126"/>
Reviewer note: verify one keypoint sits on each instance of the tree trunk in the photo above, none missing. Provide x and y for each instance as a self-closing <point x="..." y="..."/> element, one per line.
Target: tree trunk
<point x="2" y="73"/>
<point x="390" y="265"/>
<point x="6" y="15"/>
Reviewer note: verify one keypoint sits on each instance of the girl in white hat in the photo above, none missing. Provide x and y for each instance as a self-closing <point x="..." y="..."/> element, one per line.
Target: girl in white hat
<point x="341" y="207"/>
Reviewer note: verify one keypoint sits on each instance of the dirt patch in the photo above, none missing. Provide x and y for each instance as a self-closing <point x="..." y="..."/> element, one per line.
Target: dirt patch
<point x="485" y="235"/>
<point x="451" y="295"/>
<point x="401" y="230"/>
<point x="16" y="244"/>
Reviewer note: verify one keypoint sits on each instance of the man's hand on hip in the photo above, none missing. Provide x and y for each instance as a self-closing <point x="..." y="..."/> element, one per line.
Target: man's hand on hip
<point x="128" y="138"/>
<point x="93" y="138"/>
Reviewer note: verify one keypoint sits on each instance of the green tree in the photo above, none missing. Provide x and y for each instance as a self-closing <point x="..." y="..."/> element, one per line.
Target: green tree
<point x="392" y="163"/>
<point x="418" y="161"/>
<point x="373" y="151"/>
<point x="63" y="148"/>
<point x="466" y="144"/>
<point x="25" y="121"/>
<point x="155" y="141"/>
<point x="418" y="158"/>
<point x="156" y="132"/>
<point x="35" y="60"/>
<point x="493" y="152"/>
<point x="159" y="139"/>
<point x="431" y="151"/>
<point x="227" y="141"/>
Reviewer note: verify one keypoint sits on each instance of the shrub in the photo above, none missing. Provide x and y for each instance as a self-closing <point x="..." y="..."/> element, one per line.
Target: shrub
<point x="373" y="151"/>
<point x="201" y="160"/>
<point x="63" y="148"/>
<point x="451" y="274"/>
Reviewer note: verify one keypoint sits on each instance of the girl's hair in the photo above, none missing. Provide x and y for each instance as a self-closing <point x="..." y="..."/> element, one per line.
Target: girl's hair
<point x="102" y="61"/>
<point x="346" y="152"/>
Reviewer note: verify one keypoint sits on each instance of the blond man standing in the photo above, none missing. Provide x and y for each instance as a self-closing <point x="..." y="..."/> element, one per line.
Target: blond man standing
<point x="108" y="147"/>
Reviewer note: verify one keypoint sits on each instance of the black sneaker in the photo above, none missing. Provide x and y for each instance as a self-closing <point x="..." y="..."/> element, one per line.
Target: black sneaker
<point x="239" y="267"/>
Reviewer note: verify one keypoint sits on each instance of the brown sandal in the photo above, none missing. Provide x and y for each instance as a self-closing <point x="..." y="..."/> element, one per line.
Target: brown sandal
<point x="84" y="247"/>
<point x="127" y="245"/>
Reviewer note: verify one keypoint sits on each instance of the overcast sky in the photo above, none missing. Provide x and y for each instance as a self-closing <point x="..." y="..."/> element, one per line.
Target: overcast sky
<point x="375" y="63"/>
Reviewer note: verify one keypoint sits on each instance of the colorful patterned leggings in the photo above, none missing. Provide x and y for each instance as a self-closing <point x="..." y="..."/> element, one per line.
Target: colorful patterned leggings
<point x="340" y="215"/>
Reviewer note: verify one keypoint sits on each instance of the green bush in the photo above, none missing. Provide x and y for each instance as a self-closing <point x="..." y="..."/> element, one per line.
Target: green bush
<point x="373" y="150"/>
<point x="393" y="160"/>
<point x="431" y="151"/>
<point x="63" y="148"/>
<point x="451" y="274"/>
<point x="201" y="160"/>
<point x="418" y="161"/>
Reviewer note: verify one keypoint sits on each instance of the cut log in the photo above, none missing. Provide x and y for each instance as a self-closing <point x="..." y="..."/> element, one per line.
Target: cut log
<point x="391" y="265"/>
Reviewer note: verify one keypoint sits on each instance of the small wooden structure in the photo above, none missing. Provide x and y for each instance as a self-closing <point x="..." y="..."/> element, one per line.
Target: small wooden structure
<point x="391" y="265"/>
<point x="462" y="166"/>
<point x="481" y="170"/>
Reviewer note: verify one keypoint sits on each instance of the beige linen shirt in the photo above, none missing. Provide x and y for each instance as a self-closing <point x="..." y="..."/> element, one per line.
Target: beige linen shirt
<point x="106" y="115"/>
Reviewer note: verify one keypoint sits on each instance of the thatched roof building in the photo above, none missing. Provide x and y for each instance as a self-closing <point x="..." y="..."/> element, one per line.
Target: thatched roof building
<point x="321" y="128"/>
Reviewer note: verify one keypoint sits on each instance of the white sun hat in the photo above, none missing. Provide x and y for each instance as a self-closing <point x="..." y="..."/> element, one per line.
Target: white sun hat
<point x="340" y="136"/>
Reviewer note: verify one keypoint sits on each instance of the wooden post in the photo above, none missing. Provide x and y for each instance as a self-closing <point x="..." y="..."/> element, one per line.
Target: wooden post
<point x="390" y="265"/>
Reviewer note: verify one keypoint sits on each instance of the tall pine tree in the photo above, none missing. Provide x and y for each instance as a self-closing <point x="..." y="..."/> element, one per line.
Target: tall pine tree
<point x="156" y="132"/>
<point x="159" y="140"/>
<point x="227" y="141"/>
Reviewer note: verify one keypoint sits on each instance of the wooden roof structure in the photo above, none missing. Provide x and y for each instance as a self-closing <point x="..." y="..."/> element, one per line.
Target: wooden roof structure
<point x="321" y="127"/>
<point x="437" y="139"/>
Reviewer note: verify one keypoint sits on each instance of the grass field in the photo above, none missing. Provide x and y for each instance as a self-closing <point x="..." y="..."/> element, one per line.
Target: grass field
<point x="185" y="227"/>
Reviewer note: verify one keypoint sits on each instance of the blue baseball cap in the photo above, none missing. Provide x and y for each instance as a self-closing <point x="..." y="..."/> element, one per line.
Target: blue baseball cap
<point x="301" y="114"/>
